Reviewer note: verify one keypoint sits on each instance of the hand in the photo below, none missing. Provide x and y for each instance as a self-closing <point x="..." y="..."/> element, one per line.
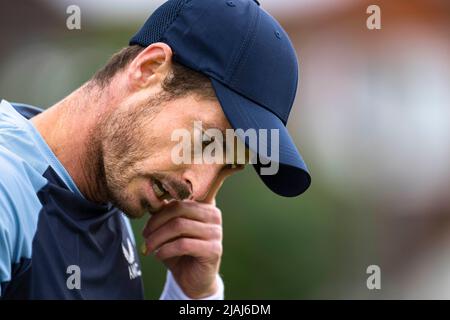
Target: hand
<point x="187" y="237"/>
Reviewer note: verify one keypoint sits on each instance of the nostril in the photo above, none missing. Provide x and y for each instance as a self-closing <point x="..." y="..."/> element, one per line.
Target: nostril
<point x="190" y="189"/>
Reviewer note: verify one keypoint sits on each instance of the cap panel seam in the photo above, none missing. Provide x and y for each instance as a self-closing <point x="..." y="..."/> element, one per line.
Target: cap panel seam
<point x="242" y="53"/>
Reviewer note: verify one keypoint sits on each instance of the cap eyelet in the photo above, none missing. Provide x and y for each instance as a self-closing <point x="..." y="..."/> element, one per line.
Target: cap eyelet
<point x="277" y="34"/>
<point x="231" y="4"/>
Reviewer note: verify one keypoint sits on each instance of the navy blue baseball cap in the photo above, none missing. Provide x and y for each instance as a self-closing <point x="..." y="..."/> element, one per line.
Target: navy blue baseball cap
<point x="252" y="66"/>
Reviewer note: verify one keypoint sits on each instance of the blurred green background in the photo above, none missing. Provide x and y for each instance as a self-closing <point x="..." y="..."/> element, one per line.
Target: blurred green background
<point x="371" y="119"/>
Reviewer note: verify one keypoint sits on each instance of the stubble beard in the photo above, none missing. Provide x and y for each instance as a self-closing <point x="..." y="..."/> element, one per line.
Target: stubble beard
<point x="119" y="150"/>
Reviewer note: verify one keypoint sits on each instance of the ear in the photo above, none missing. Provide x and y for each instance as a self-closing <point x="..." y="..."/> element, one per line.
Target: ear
<point x="150" y="67"/>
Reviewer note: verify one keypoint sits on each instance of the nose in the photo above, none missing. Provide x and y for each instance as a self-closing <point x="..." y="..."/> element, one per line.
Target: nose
<point x="201" y="177"/>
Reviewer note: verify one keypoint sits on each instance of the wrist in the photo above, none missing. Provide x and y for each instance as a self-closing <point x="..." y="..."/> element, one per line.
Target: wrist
<point x="173" y="291"/>
<point x="194" y="293"/>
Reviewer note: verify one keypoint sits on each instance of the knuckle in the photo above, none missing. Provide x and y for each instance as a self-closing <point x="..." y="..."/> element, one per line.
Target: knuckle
<point x="182" y="245"/>
<point x="215" y="232"/>
<point x="204" y="215"/>
<point x="216" y="249"/>
<point x="216" y="215"/>
<point x="178" y="224"/>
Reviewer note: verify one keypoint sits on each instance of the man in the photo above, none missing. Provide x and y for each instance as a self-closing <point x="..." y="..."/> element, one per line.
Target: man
<point x="71" y="175"/>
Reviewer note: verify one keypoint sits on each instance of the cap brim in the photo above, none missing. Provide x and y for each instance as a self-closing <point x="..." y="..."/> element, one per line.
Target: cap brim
<point x="292" y="177"/>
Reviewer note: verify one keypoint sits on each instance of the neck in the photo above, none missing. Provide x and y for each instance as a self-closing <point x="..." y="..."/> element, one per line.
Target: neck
<point x="70" y="128"/>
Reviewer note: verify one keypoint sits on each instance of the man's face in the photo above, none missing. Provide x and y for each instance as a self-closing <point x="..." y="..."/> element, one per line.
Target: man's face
<point x="137" y="150"/>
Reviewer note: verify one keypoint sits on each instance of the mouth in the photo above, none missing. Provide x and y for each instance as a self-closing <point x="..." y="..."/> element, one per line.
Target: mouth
<point x="161" y="191"/>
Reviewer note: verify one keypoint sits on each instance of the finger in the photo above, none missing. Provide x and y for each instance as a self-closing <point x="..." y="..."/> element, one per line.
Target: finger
<point x="190" y="247"/>
<point x="166" y="208"/>
<point x="182" y="227"/>
<point x="187" y="209"/>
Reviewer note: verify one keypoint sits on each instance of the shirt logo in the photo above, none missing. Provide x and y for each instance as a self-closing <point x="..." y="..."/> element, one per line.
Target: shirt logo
<point x="133" y="266"/>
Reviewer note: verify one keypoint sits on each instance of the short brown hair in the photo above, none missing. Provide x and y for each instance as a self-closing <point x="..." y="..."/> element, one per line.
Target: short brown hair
<point x="180" y="82"/>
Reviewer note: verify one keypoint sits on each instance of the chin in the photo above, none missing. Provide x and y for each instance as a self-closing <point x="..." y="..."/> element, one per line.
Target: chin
<point x="134" y="215"/>
<point x="133" y="212"/>
<point x="131" y="207"/>
<point x="127" y="198"/>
